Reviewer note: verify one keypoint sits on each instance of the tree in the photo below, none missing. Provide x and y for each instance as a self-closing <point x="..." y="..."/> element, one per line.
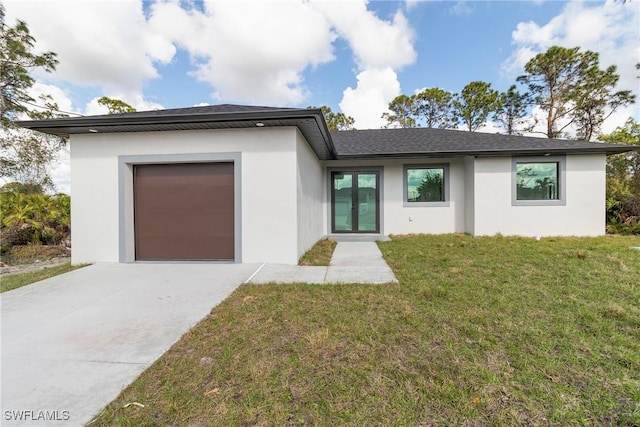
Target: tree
<point x="435" y="106"/>
<point x="402" y="112"/>
<point x="25" y="156"/>
<point x="572" y="89"/>
<point x="623" y="174"/>
<point x="116" y="106"/>
<point x="512" y="108"/>
<point x="336" y="121"/>
<point x="475" y="104"/>
<point x="595" y="101"/>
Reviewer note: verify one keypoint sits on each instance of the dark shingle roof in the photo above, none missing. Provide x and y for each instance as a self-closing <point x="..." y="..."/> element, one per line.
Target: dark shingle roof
<point x="309" y="121"/>
<point x="205" y="109"/>
<point x="424" y="142"/>
<point x="357" y="144"/>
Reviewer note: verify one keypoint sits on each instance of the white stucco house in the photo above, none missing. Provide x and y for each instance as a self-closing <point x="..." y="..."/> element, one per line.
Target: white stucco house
<point x="260" y="184"/>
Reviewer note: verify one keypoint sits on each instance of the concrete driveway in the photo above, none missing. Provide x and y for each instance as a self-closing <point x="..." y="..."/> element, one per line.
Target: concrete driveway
<point x="71" y="343"/>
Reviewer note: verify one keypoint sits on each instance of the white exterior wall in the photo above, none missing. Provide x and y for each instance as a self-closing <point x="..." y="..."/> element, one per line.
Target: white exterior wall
<point x="469" y="199"/>
<point x="310" y="196"/>
<point x="582" y="215"/>
<point x="396" y="218"/>
<point x="102" y="202"/>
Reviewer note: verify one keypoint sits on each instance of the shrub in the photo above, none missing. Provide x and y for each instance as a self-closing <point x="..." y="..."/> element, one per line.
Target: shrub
<point x="33" y="218"/>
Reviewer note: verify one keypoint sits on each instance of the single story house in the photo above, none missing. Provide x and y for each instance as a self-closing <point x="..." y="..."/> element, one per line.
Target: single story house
<point x="261" y="184"/>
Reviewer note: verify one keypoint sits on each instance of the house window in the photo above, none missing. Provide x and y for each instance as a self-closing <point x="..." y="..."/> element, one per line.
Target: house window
<point x="426" y="185"/>
<point x="538" y="181"/>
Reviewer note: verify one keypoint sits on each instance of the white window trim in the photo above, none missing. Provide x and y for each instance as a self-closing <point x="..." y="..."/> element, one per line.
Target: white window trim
<point x="405" y="185"/>
<point x="562" y="180"/>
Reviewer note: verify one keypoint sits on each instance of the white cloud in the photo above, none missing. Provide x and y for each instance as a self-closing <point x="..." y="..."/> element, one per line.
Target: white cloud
<point x="371" y="97"/>
<point x="100" y="43"/>
<point x="250" y="51"/>
<point x="247" y="51"/>
<point x="611" y="29"/>
<point x="375" y="43"/>
<point x="136" y="101"/>
<point x="57" y="95"/>
<point x="61" y="172"/>
<point x="379" y="48"/>
<point x="461" y="7"/>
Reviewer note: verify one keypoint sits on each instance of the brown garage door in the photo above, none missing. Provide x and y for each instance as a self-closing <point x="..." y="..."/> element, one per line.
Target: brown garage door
<point x="184" y="211"/>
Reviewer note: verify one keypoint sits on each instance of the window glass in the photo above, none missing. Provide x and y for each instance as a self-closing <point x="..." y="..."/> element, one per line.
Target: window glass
<point x="537" y="181"/>
<point x="425" y="184"/>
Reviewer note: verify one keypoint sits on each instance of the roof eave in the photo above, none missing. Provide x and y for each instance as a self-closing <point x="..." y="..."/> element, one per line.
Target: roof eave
<point x="101" y="124"/>
<point x="491" y="153"/>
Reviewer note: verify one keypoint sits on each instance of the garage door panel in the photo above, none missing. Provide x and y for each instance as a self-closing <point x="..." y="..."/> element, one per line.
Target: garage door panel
<point x="209" y="222"/>
<point x="183" y="200"/>
<point x="185" y="248"/>
<point x="184" y="211"/>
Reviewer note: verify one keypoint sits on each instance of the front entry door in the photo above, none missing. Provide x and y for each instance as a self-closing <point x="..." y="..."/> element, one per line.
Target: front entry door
<point x="355" y="202"/>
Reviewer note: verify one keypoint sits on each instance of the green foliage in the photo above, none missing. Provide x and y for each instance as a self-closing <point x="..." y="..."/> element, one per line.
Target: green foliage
<point x="16" y="62"/>
<point x="402" y="112"/>
<point x="336" y="121"/>
<point x="475" y="104"/>
<point x="434" y="106"/>
<point x="33" y="218"/>
<point x="25" y="156"/>
<point x="572" y="89"/>
<point x="623" y="180"/>
<point x="512" y="108"/>
<point x="116" y="106"/>
<point x="20" y="187"/>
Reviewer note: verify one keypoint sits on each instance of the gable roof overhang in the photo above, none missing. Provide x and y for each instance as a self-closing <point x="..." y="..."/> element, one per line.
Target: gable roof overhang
<point x="310" y="122"/>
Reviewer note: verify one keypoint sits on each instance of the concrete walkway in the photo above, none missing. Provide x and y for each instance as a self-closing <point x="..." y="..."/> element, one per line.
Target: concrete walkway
<point x="352" y="262"/>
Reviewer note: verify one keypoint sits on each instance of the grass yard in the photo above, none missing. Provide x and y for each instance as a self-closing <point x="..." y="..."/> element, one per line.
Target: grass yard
<point x="319" y="254"/>
<point x="480" y="331"/>
<point x="17" y="280"/>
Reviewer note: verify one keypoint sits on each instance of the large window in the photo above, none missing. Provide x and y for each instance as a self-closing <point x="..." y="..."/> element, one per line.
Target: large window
<point x="538" y="180"/>
<point x="426" y="185"/>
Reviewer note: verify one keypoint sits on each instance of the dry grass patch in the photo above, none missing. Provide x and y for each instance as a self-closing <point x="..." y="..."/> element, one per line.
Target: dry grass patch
<point x="480" y="331"/>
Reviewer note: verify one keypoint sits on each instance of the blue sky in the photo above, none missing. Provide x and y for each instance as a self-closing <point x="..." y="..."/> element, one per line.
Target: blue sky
<point x="352" y="55"/>
<point x="454" y="44"/>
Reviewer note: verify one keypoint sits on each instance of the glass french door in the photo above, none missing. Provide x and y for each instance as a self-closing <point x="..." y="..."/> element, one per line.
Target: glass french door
<point x="355" y="202"/>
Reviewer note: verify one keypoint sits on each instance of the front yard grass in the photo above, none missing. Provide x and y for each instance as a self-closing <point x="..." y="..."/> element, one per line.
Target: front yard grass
<point x="320" y="254"/>
<point x="17" y="280"/>
<point x="479" y="331"/>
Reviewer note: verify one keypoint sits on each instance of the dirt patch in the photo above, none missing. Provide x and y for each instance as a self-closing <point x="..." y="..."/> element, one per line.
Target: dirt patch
<point x="22" y="259"/>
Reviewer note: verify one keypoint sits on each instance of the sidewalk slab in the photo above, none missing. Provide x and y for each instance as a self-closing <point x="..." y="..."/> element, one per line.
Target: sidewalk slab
<point x="357" y="254"/>
<point x="361" y="275"/>
<point x="352" y="262"/>
<point x="283" y="274"/>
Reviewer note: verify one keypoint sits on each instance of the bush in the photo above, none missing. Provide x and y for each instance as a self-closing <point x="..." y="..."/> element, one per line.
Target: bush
<point x="624" y="216"/>
<point x="33" y="218"/>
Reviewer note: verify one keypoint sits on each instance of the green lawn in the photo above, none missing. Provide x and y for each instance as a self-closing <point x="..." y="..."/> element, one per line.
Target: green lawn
<point x="14" y="281"/>
<point x="320" y="254"/>
<point x="480" y="331"/>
